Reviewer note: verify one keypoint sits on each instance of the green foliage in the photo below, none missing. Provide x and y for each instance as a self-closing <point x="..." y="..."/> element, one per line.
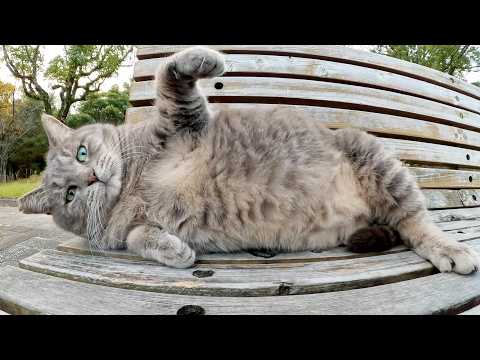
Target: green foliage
<point x="104" y="107"/>
<point x="28" y="153"/>
<point x="455" y="60"/>
<point x="74" y="75"/>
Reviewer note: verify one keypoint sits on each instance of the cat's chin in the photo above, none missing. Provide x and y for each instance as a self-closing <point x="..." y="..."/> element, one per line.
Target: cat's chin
<point x="113" y="188"/>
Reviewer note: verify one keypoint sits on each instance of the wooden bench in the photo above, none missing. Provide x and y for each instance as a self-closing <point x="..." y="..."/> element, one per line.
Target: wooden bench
<point x="429" y="119"/>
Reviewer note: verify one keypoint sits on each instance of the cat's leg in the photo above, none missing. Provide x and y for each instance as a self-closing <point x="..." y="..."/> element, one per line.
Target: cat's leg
<point x="396" y="200"/>
<point x="406" y="211"/>
<point x="154" y="243"/>
<point x="178" y="96"/>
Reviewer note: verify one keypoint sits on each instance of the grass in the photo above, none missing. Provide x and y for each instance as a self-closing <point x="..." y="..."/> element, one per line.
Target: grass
<point x="14" y="189"/>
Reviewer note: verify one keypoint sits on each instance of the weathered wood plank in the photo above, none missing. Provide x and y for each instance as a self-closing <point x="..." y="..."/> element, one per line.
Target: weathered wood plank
<point x="468" y="230"/>
<point x="419" y="152"/>
<point x="455" y="214"/>
<point x="446" y="178"/>
<point x="442" y="199"/>
<point x="247" y="281"/>
<point x="277" y="66"/>
<point x="27" y="292"/>
<point x="267" y="280"/>
<point x="332" y="53"/>
<point x="318" y="93"/>
<point x="458" y="225"/>
<point x="379" y="124"/>
<point x="438" y="199"/>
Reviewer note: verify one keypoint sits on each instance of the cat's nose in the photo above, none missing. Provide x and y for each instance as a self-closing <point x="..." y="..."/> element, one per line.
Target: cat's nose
<point x="92" y="178"/>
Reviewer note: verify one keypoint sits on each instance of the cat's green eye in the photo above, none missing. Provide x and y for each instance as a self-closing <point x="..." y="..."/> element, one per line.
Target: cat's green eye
<point x="70" y="193"/>
<point x="82" y="153"/>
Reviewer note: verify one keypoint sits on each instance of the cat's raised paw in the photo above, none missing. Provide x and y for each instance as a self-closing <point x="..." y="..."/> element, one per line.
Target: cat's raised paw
<point x="456" y="257"/>
<point x="198" y="63"/>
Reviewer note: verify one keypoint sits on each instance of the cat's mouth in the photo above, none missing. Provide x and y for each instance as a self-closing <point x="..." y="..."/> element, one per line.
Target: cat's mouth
<point x="93" y="178"/>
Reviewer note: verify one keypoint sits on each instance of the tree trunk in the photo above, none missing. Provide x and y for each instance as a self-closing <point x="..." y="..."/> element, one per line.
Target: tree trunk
<point x="3" y="169"/>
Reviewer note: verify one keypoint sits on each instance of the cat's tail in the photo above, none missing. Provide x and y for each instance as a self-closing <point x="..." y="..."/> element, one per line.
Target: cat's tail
<point x="373" y="238"/>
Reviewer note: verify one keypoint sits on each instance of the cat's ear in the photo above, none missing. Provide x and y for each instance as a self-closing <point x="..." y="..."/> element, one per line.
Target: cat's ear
<point x="35" y="202"/>
<point x="56" y="130"/>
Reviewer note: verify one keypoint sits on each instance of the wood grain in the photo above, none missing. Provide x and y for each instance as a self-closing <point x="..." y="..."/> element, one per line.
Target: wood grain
<point x="28" y="292"/>
<point x="446" y="178"/>
<point x="334" y="53"/>
<point x="438" y="199"/>
<point x="307" y="278"/>
<point x="455" y="214"/>
<point x="419" y="152"/>
<point x="314" y="69"/>
<point x="319" y="93"/>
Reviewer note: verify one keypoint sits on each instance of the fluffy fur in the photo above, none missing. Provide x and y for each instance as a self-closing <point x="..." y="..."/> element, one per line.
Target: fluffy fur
<point x="207" y="179"/>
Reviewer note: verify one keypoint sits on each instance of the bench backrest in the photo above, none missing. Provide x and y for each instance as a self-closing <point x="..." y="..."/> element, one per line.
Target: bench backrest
<point x="429" y="119"/>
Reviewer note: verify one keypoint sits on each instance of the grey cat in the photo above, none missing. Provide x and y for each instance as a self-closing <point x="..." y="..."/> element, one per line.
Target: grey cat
<point x="211" y="179"/>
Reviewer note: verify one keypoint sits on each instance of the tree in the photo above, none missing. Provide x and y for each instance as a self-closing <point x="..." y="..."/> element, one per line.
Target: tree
<point x="104" y="107"/>
<point x="455" y="60"/>
<point x="28" y="153"/>
<point x="11" y="128"/>
<point x="77" y="73"/>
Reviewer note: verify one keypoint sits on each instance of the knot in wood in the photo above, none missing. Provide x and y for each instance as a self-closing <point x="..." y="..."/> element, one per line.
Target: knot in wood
<point x="203" y="273"/>
<point x="284" y="288"/>
<point x="191" y="310"/>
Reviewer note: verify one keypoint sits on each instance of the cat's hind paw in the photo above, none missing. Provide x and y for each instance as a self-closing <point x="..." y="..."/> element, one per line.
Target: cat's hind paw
<point x="456" y="257"/>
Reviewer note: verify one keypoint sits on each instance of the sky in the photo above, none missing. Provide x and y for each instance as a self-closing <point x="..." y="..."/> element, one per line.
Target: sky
<point x="126" y="72"/>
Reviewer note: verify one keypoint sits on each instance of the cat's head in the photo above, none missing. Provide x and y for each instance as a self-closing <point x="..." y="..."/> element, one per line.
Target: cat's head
<point x="83" y="177"/>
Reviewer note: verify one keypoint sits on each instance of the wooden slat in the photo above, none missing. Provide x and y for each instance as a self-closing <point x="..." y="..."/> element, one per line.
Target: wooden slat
<point x="416" y="151"/>
<point x="442" y="199"/>
<point x="446" y="178"/>
<point x="379" y="124"/>
<point x="438" y="199"/>
<point x="277" y="66"/>
<point x="468" y="228"/>
<point x="27" y="292"/>
<point x="268" y="280"/>
<point x="455" y="214"/>
<point x="319" y="93"/>
<point x="458" y="225"/>
<point x="332" y="53"/>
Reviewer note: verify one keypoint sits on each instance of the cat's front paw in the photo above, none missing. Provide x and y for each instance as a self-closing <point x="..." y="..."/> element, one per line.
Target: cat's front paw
<point x="453" y="256"/>
<point x="197" y="63"/>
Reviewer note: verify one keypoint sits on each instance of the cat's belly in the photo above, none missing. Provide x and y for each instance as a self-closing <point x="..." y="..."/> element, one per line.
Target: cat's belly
<point x="301" y="208"/>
